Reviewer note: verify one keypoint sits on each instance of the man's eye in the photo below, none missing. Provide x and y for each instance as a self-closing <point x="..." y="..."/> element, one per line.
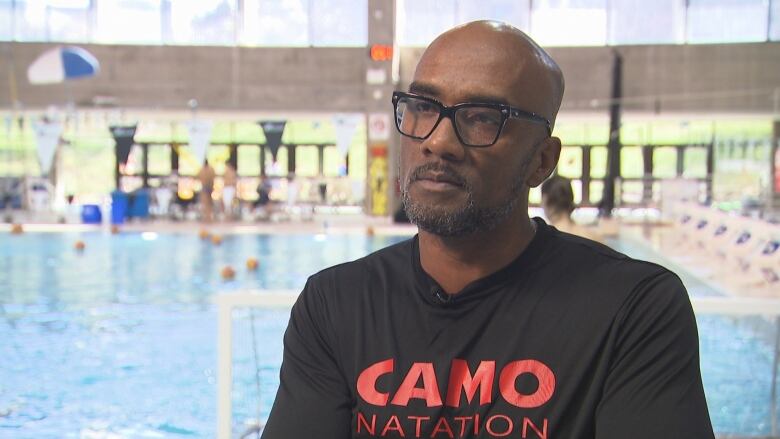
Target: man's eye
<point x="423" y="107"/>
<point x="483" y="118"/>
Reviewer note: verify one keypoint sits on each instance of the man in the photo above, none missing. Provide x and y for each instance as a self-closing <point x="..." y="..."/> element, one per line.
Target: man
<point x="206" y="176"/>
<point x="488" y="324"/>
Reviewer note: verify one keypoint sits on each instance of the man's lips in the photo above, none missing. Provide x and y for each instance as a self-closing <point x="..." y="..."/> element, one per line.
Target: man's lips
<point x="439" y="178"/>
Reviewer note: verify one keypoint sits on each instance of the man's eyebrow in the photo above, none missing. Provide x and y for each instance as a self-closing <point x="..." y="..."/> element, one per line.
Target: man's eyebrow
<point x="423" y="89"/>
<point x="431" y="91"/>
<point x="487" y="99"/>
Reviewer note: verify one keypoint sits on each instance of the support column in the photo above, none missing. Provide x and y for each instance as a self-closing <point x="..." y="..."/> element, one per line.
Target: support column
<point x="382" y="58"/>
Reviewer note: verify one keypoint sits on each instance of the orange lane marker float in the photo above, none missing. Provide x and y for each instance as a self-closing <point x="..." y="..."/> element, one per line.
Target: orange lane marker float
<point x="17" y="229"/>
<point x="204" y="234"/>
<point x="252" y="264"/>
<point x="216" y="240"/>
<point x="228" y="273"/>
<point x="79" y="246"/>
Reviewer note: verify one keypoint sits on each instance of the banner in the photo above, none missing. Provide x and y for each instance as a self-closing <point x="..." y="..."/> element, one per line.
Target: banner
<point x="47" y="137"/>
<point x="124" y="138"/>
<point x="273" y="131"/>
<point x="346" y="126"/>
<point x="200" y="138"/>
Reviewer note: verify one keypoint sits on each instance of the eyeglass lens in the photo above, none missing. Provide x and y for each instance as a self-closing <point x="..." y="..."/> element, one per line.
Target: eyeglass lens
<point x="477" y="126"/>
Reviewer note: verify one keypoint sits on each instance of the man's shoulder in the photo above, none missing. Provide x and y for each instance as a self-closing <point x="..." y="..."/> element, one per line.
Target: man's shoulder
<point x="596" y="259"/>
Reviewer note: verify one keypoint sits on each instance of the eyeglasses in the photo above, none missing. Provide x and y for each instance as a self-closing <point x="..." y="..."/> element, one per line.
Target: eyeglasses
<point x="476" y="124"/>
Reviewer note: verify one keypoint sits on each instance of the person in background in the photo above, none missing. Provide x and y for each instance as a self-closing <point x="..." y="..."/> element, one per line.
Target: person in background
<point x="558" y="205"/>
<point x="206" y="176"/>
<point x="229" y="181"/>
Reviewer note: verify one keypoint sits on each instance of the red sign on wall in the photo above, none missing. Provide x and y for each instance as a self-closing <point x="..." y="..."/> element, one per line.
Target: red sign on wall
<point x="381" y="52"/>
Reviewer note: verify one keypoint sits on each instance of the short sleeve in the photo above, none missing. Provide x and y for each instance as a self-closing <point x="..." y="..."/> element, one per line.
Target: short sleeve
<point x="654" y="388"/>
<point x="313" y="400"/>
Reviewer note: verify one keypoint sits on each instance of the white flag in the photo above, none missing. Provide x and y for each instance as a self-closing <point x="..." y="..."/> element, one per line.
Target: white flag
<point x="200" y="137"/>
<point x="346" y="125"/>
<point x="47" y="137"/>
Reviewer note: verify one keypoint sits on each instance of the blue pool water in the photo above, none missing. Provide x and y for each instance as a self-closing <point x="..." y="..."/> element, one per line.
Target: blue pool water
<point x="120" y="341"/>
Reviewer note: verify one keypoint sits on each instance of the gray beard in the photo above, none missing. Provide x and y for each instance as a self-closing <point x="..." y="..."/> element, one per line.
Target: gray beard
<point x="471" y="218"/>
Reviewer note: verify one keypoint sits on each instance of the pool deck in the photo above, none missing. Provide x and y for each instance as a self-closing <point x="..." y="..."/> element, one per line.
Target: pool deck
<point x="318" y="223"/>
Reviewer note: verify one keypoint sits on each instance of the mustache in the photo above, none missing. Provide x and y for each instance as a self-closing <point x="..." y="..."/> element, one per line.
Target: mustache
<point x="419" y="172"/>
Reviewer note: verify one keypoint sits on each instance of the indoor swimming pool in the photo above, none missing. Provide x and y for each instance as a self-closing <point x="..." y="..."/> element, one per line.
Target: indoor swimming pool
<point x="119" y="340"/>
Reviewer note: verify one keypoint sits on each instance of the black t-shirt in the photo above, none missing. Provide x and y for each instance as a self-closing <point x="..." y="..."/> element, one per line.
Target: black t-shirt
<point x="570" y="340"/>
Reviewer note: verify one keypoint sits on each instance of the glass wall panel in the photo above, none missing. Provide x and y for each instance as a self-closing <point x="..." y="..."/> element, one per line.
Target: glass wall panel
<point x="774" y="25"/>
<point x="569" y="22"/>
<point x="332" y="162"/>
<point x="570" y="162"/>
<point x="29" y="20"/>
<point x="514" y="12"/>
<point x="718" y="21"/>
<point x="631" y="164"/>
<point x="306" y="161"/>
<point x="646" y="22"/>
<point x="598" y="161"/>
<point x="665" y="162"/>
<point x="68" y="20"/>
<point x="420" y="21"/>
<point x="276" y="23"/>
<point x="339" y="22"/>
<point x="6" y="20"/>
<point x="203" y="22"/>
<point x="248" y="160"/>
<point x="129" y="22"/>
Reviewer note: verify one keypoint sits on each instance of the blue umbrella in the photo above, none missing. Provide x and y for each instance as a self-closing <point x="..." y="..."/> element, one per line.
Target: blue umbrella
<point x="62" y="64"/>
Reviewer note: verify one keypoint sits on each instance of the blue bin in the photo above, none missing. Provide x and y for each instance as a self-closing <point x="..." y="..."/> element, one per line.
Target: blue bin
<point x="119" y="207"/>
<point x="90" y="214"/>
<point x="139" y="207"/>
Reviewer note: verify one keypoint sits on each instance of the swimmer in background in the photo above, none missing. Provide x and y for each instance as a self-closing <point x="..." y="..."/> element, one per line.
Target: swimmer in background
<point x="558" y="205"/>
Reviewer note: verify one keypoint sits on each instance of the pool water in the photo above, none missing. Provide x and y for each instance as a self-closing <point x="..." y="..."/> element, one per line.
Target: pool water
<point x="119" y="341"/>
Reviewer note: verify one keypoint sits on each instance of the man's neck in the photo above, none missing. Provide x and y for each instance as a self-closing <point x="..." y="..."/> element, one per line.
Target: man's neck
<point x="454" y="262"/>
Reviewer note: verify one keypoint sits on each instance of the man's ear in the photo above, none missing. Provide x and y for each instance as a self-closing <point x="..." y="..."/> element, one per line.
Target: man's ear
<point x="544" y="163"/>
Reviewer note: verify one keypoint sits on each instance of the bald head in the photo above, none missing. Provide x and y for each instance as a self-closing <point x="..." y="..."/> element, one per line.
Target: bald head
<point x="531" y="78"/>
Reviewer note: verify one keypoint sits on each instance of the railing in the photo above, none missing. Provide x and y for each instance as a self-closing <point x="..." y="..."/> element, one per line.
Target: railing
<point x="284" y="299"/>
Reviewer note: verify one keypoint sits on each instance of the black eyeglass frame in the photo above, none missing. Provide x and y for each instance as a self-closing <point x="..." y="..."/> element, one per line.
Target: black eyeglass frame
<point x="507" y="112"/>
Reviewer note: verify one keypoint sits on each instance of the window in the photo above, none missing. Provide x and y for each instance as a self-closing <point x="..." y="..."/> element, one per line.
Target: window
<point x="695" y="163"/>
<point x="646" y="22"/>
<point x="159" y="159"/>
<point x="570" y="162"/>
<point x="339" y="22"/>
<point x="569" y="22"/>
<point x="202" y="22"/>
<point x="665" y="162"/>
<point x="420" y="21"/>
<point x="30" y="20"/>
<point x="774" y="25"/>
<point x="129" y="21"/>
<point x="276" y="23"/>
<point x="248" y="160"/>
<point x="631" y="162"/>
<point x="598" y="161"/>
<point x="68" y="20"/>
<point x="307" y="161"/>
<point x="514" y="12"/>
<point x="332" y="162"/>
<point x="717" y="21"/>
<point x="6" y="20"/>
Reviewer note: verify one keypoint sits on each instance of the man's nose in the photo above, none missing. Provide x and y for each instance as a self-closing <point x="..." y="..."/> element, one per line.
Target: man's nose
<point x="444" y="142"/>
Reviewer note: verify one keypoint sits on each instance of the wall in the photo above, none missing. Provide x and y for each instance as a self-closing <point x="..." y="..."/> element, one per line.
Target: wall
<point x="221" y="78"/>
<point x="701" y="78"/>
